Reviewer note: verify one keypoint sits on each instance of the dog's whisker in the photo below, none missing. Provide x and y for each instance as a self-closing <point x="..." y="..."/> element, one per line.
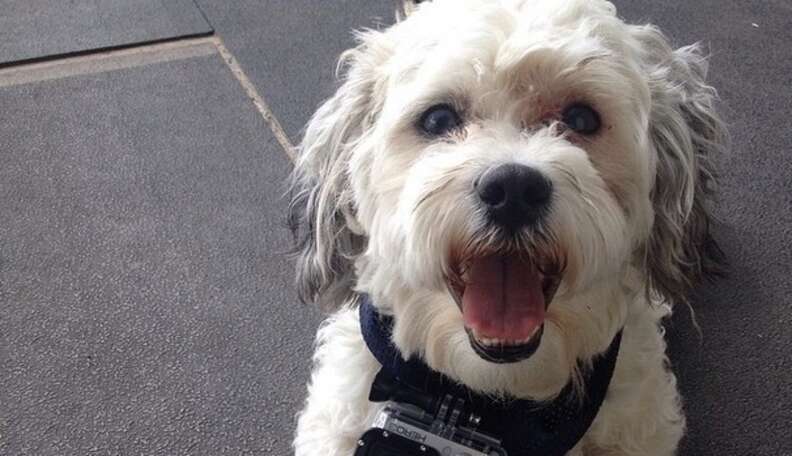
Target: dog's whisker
<point x="431" y="193"/>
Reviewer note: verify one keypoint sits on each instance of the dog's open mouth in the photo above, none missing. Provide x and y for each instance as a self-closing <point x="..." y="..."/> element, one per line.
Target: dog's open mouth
<point x="503" y="298"/>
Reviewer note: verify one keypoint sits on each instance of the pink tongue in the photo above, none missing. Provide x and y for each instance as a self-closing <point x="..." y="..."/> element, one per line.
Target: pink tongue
<point x="503" y="299"/>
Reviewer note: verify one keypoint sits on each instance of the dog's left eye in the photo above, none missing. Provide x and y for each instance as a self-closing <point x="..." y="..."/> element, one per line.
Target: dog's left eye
<point x="582" y="119"/>
<point x="439" y="120"/>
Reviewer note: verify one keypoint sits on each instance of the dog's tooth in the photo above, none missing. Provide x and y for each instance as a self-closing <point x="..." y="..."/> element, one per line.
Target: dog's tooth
<point x="495" y="342"/>
<point x="518" y="341"/>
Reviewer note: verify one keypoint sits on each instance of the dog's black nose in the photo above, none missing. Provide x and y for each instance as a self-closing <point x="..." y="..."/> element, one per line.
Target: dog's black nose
<point x="514" y="195"/>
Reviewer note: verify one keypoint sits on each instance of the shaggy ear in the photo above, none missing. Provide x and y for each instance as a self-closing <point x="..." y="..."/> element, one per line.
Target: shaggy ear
<point x="687" y="136"/>
<point x="321" y="213"/>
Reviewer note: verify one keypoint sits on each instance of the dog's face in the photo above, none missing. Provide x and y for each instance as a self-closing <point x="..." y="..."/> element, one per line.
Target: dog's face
<point x="497" y="173"/>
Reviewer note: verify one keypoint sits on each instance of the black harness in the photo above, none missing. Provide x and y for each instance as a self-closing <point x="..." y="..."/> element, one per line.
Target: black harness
<point x="526" y="428"/>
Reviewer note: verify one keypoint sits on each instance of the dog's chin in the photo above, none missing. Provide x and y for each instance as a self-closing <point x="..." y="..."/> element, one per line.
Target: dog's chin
<point x="503" y="297"/>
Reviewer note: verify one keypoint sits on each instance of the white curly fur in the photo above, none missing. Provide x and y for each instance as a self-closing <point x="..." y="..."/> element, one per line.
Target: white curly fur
<point x="380" y="207"/>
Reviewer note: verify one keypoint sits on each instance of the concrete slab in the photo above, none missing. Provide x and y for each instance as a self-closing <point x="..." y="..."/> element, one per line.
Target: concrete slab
<point x="145" y="305"/>
<point x="34" y="29"/>
<point x="289" y="48"/>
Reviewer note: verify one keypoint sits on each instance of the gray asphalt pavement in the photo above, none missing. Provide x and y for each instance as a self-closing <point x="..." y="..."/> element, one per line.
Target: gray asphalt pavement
<point x="146" y="305"/>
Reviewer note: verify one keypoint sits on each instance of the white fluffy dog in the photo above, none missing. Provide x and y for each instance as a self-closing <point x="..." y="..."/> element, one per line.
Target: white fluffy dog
<point x="514" y="182"/>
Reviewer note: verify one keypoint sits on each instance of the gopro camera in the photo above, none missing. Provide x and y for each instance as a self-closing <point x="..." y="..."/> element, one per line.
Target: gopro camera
<point x="424" y="426"/>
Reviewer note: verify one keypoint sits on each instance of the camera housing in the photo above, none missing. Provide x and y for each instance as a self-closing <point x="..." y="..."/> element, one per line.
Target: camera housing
<point x="407" y="430"/>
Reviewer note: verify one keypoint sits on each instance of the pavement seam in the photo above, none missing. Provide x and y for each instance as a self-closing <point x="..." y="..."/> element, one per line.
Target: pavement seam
<point x="115" y="59"/>
<point x="258" y="101"/>
<point x="106" y="49"/>
<point x="107" y="60"/>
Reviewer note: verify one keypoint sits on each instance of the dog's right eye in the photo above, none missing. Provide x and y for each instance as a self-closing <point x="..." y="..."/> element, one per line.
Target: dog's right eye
<point x="439" y="120"/>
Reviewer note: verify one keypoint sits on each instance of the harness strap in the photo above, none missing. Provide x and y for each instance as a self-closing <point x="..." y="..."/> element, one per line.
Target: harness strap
<point x="526" y="428"/>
